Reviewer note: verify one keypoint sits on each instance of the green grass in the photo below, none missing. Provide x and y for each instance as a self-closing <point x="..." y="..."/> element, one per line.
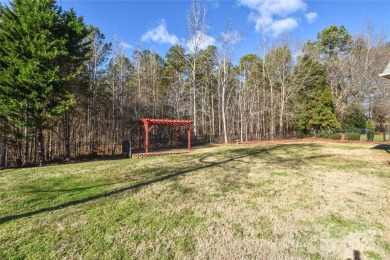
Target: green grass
<point x="280" y="173"/>
<point x="339" y="227"/>
<point x="372" y="255"/>
<point x="290" y="200"/>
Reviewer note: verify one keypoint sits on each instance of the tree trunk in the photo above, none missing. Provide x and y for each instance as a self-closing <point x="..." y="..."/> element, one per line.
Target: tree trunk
<point x="281" y="119"/>
<point x="67" y="134"/>
<point x="5" y="153"/>
<point x="224" y="83"/>
<point x="41" y="140"/>
<point x="213" y="115"/>
<point x="272" y="130"/>
<point x="194" y="98"/>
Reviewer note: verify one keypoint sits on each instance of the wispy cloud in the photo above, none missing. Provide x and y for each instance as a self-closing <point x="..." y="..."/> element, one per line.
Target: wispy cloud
<point x="275" y="16"/>
<point x="160" y="34"/>
<point x="214" y="3"/>
<point x="125" y="46"/>
<point x="201" y="41"/>
<point x="311" y="17"/>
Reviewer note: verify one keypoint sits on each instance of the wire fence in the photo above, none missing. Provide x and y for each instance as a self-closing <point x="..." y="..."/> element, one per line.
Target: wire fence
<point x="364" y="135"/>
<point x="28" y="154"/>
<point x="25" y="153"/>
<point x="16" y="154"/>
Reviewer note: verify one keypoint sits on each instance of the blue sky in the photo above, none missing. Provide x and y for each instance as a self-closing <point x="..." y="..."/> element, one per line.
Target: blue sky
<point x="157" y="24"/>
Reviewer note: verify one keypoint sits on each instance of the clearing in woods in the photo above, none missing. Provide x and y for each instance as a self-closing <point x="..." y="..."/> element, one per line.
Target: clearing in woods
<point x="269" y="201"/>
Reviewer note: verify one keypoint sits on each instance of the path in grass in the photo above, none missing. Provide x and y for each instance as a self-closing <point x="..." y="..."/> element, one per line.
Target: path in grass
<point x="290" y="200"/>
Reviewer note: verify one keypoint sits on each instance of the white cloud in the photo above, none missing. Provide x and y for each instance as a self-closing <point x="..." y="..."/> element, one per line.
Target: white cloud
<point x="274" y="16"/>
<point x="160" y="34"/>
<point x="125" y="45"/>
<point x="311" y="17"/>
<point x="201" y="41"/>
<point x="275" y="7"/>
<point x="285" y="25"/>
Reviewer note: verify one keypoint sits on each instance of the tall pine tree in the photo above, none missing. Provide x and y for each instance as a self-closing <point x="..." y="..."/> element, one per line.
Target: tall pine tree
<point x="317" y="110"/>
<point x="38" y="57"/>
<point x="73" y="29"/>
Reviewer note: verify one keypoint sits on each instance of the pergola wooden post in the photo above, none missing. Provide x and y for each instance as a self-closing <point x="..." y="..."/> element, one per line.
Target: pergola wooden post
<point x="149" y="123"/>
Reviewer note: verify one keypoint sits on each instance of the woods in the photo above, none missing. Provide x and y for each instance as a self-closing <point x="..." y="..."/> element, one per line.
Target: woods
<point x="61" y="81"/>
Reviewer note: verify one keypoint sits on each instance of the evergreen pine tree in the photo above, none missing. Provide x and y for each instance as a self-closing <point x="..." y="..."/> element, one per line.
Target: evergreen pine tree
<point x="36" y="44"/>
<point x="73" y="29"/>
<point x="320" y="108"/>
<point x="316" y="101"/>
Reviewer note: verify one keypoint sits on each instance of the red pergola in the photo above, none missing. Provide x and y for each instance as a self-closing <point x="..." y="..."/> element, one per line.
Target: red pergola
<point x="149" y="123"/>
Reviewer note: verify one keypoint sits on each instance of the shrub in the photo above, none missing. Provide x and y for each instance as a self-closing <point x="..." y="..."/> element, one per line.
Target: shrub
<point x="335" y="136"/>
<point x="378" y="138"/>
<point x="323" y="134"/>
<point x="370" y="125"/>
<point x="206" y="136"/>
<point x="301" y="134"/>
<point x="363" y="137"/>
<point x="352" y="136"/>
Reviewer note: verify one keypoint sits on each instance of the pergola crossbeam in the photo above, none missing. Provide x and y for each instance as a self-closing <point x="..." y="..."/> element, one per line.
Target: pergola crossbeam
<point x="149" y="123"/>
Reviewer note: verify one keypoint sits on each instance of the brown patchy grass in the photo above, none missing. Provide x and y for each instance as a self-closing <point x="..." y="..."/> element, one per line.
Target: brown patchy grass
<point x="267" y="201"/>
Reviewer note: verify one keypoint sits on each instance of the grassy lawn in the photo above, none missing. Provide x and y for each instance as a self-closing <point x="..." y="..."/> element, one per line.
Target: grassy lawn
<point x="270" y="201"/>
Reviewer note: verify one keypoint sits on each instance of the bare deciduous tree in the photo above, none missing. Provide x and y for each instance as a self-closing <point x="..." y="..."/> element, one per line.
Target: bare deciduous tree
<point x="197" y="33"/>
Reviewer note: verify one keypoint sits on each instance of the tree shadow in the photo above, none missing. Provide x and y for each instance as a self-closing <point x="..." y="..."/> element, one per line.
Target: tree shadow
<point x="383" y="147"/>
<point x="69" y="190"/>
<point x="296" y="161"/>
<point x="237" y="155"/>
<point x="356" y="255"/>
<point x="124" y="189"/>
<point x="63" y="160"/>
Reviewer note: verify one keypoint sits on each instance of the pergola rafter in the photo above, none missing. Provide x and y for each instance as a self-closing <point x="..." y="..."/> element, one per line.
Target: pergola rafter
<point x="149" y="123"/>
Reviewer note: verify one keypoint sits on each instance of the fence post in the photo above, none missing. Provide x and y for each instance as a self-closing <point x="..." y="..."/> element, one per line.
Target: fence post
<point x="126" y="148"/>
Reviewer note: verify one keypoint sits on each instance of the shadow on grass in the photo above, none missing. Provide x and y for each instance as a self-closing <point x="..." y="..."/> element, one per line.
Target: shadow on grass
<point x="118" y="191"/>
<point x="96" y="158"/>
<point x="68" y="190"/>
<point x="63" y="161"/>
<point x="236" y="155"/>
<point x="356" y="255"/>
<point x="384" y="147"/>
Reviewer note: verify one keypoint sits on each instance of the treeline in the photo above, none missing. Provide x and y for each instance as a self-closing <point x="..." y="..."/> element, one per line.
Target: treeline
<point x="61" y="81"/>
